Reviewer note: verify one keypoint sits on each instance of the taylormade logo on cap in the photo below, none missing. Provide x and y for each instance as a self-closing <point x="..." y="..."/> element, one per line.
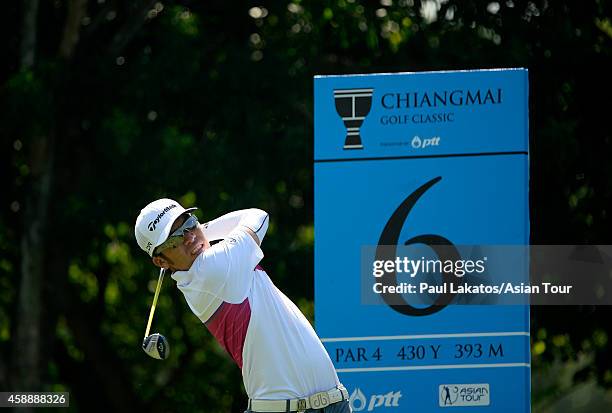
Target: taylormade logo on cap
<point x="152" y="224"/>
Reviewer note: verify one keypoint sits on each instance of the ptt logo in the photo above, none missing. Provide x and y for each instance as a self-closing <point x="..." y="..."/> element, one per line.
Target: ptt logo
<point x="360" y="402"/>
<point x="455" y="395"/>
<point x="422" y="143"/>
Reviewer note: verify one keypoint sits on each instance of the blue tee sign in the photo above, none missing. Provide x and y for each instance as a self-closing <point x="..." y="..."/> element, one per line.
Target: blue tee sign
<point x="438" y="158"/>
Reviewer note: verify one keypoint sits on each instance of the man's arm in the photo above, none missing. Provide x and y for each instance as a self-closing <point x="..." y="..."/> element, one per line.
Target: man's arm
<point x="227" y="269"/>
<point x="254" y="221"/>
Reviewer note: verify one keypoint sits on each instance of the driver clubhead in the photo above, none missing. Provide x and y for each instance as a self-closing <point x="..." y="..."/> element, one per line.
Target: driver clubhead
<point x="156" y="346"/>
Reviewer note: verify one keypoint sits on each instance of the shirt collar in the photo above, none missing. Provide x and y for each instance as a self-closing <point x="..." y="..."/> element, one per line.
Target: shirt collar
<point x="183" y="277"/>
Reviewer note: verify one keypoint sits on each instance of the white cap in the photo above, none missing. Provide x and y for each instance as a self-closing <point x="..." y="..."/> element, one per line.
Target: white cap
<point x="154" y="222"/>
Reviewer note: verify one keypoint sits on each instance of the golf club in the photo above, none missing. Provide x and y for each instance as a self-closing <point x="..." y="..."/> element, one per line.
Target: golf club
<point x="156" y="345"/>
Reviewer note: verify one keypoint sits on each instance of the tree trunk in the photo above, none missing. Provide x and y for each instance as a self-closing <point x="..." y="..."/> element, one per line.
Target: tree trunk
<point x="26" y="347"/>
<point x="27" y="343"/>
<point x="28" y="34"/>
<point x="70" y="38"/>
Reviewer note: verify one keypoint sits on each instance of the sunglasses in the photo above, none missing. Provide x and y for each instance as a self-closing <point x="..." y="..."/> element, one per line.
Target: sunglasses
<point x="176" y="238"/>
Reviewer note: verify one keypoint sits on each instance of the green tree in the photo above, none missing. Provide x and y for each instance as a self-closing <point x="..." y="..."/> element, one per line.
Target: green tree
<point x="108" y="105"/>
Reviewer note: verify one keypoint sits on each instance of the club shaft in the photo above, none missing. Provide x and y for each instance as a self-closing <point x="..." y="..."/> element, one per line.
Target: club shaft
<point x="160" y="280"/>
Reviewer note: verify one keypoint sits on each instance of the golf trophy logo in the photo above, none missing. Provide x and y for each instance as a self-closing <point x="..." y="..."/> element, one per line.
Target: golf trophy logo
<point x="353" y="105"/>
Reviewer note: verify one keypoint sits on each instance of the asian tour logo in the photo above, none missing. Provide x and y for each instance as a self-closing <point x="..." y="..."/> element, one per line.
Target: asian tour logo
<point x="360" y="402"/>
<point x="452" y="395"/>
<point x="353" y="105"/>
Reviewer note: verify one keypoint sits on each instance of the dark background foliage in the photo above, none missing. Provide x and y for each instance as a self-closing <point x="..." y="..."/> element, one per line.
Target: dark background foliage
<point x="107" y="105"/>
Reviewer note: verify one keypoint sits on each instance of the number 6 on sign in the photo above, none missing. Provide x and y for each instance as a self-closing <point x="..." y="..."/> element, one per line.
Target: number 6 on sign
<point x="390" y="236"/>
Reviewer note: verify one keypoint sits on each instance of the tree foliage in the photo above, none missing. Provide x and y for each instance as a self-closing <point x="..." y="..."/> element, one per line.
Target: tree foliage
<point x="211" y="103"/>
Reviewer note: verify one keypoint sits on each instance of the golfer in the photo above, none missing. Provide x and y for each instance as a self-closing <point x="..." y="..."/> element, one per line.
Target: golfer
<point x="285" y="368"/>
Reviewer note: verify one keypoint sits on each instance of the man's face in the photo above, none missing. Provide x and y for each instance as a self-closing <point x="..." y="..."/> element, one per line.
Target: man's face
<point x="181" y="257"/>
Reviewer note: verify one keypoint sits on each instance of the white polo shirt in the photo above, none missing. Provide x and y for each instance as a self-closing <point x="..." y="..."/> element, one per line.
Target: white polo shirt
<point x="280" y="354"/>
